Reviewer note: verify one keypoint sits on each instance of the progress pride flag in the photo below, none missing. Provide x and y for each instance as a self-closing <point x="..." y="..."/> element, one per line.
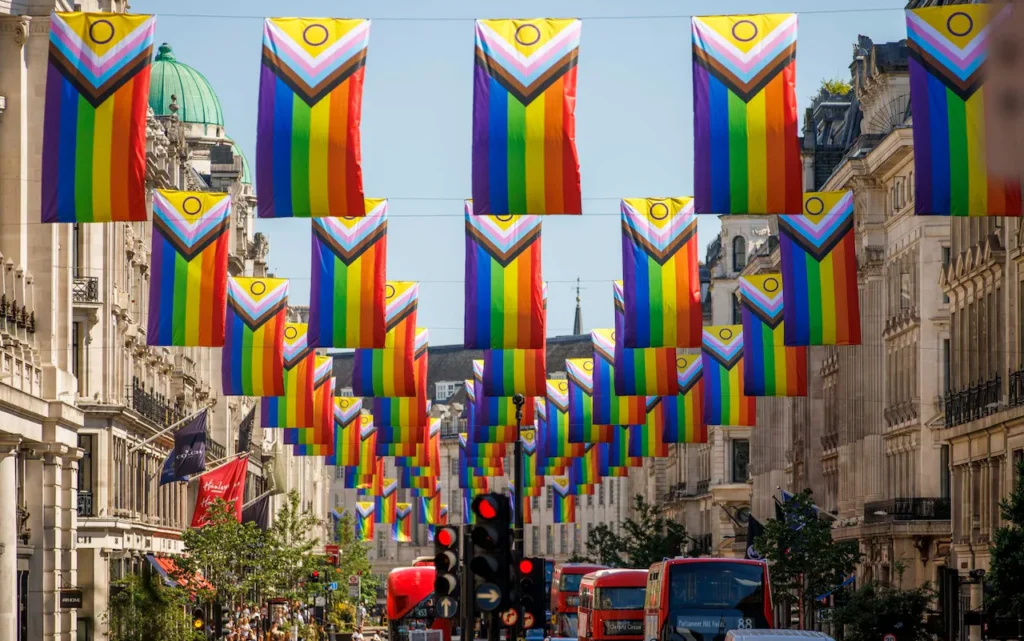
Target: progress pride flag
<point x="226" y="482"/>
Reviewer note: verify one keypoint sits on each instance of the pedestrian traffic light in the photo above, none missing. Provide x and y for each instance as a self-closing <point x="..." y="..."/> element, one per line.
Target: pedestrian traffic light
<point x="446" y="571"/>
<point x="492" y="549"/>
<point x="314" y="576"/>
<point x="198" y="620"/>
<point x="534" y="597"/>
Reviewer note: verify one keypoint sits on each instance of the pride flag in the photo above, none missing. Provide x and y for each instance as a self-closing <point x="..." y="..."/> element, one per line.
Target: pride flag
<point x="583" y="427"/>
<point x="508" y="372"/>
<point x="558" y="450"/>
<point x="495" y="416"/>
<point x="821" y="304"/>
<point x="680" y="418"/>
<point x="386" y="500"/>
<point x="769" y="367"/>
<point x="346" y="294"/>
<point x="323" y="399"/>
<point x="252" y="363"/>
<point x="948" y="48"/>
<point x="94" y="122"/>
<point x="646" y="440"/>
<point x="564" y="504"/>
<point x="347" y="411"/>
<point x="609" y="407"/>
<point x="746" y="145"/>
<point x="189" y="275"/>
<point x="406" y="416"/>
<point x="524" y="122"/>
<point x="643" y="371"/>
<point x="661" y="284"/>
<point x="365" y="511"/>
<point x="295" y="407"/>
<point x="724" y="400"/>
<point x="389" y="371"/>
<point x="401" y="531"/>
<point x="310" y="104"/>
<point x="431" y="507"/>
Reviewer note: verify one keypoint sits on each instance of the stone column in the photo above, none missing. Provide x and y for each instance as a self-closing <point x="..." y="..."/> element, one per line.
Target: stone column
<point x="8" y="537"/>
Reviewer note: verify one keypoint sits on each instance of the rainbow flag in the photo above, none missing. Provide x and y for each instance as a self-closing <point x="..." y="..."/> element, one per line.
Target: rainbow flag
<point x="558" y="449"/>
<point x="443" y="520"/>
<point x="323" y="400"/>
<point x="473" y="451"/>
<point x="610" y="408"/>
<point x="189" y="281"/>
<point x="310" y="104"/>
<point x="564" y="505"/>
<point x="387" y="500"/>
<point x="94" y="122"/>
<point x="819" y="271"/>
<point x="586" y="470"/>
<point x="346" y="294"/>
<point x="295" y="407"/>
<point x="680" y="418"/>
<point x="643" y="371"/>
<point x="948" y="48"/>
<point x="646" y="440"/>
<point x="524" y="122"/>
<point x="365" y="511"/>
<point x="504" y="290"/>
<point x="769" y="367"/>
<point x="405" y="417"/>
<point x="431" y="507"/>
<point x="724" y="400"/>
<point x="532" y="481"/>
<point x="582" y="425"/>
<point x="401" y="530"/>
<point x="252" y="363"/>
<point x="347" y="411"/>
<point x="746" y="144"/>
<point x="661" y="285"/>
<point x="368" y="459"/>
<point x="495" y="416"/>
<point x="508" y="372"/>
<point x="389" y="371"/>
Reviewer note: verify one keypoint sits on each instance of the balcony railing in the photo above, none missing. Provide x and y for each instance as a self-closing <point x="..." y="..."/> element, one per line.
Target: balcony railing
<point x="85" y="289"/>
<point x="703" y="487"/>
<point x="214" y="450"/>
<point x="449" y="432"/>
<point x="1017" y="388"/>
<point x="907" y="509"/>
<point x="974" y="402"/>
<point x="85" y="503"/>
<point x="153" y="406"/>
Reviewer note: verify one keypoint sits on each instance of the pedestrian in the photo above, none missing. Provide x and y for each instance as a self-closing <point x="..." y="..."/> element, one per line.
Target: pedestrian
<point x="358" y="635"/>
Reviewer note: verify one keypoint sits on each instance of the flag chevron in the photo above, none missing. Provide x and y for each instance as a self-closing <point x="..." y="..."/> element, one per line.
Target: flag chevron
<point x="296" y="344"/>
<point x="401" y="299"/>
<point x="346" y="410"/>
<point x="660" y="240"/>
<point x="818" y="234"/>
<point x="745" y="73"/>
<point x="527" y="76"/>
<point x="959" y="68"/>
<point x="504" y="238"/>
<point x="765" y="304"/>
<point x="323" y="371"/>
<point x="191" y="233"/>
<point x="689" y="371"/>
<point x="580" y="371"/>
<point x="348" y="238"/>
<point x="558" y="395"/>
<point x="313" y="77"/>
<point x="604" y="343"/>
<point x="253" y="302"/>
<point x="726" y="346"/>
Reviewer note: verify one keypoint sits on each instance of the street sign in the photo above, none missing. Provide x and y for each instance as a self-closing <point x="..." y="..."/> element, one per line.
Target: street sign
<point x="320" y="601"/>
<point x="447" y="607"/>
<point x="353" y="580"/>
<point x="889" y="637"/>
<point x="332" y="586"/>
<point x="488" y="597"/>
<point x="528" y="620"/>
<point x="509" y="617"/>
<point x="353" y="585"/>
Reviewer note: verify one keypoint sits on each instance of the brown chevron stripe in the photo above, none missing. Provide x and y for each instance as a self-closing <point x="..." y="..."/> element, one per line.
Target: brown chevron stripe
<point x="255" y="323"/>
<point x="189" y="253"/>
<point x="312" y="95"/>
<point x="97" y="95"/>
<point x="290" y="363"/>
<point x="685" y="389"/>
<point x="403" y="314"/>
<point x="345" y="256"/>
<point x="771" y="321"/>
<point x="661" y="257"/>
<point x="610" y="357"/>
<point x="963" y="89"/>
<point x="818" y="253"/>
<point x="527" y="94"/>
<point x="503" y="258"/>
<point x="747" y="90"/>
<point x="726" y="364"/>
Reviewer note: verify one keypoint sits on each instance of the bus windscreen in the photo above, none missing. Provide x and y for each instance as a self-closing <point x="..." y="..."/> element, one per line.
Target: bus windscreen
<point x="570" y="582"/>
<point x="619" y="599"/>
<point x="706" y="597"/>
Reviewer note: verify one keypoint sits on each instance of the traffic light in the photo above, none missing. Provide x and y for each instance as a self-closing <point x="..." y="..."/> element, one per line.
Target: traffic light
<point x="492" y="551"/>
<point x="446" y="571"/>
<point x="314" y="576"/>
<point x="534" y="597"/>
<point x="199" y="620"/>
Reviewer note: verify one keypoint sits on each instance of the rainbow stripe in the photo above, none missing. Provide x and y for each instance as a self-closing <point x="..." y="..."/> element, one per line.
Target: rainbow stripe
<point x="295" y="407"/>
<point x="746" y="144"/>
<point x="724" y="399"/>
<point x="948" y="47"/>
<point x="188" y="285"/>
<point x="365" y="511"/>
<point x="346" y="294"/>
<point x="524" y="122"/>
<point x="610" y="408"/>
<point x="504" y="290"/>
<point x="646" y="440"/>
<point x="494" y="417"/>
<point x="347" y="412"/>
<point x="557" y="448"/>
<point x="252" y="362"/>
<point x="819" y="271"/>
<point x="586" y="470"/>
<point x="307" y="132"/>
<point x="390" y="371"/>
<point x="680" y="418"/>
<point x="323" y="400"/>
<point x="644" y="371"/>
<point x="564" y="504"/>
<point x="94" y="123"/>
<point x="405" y="417"/>
<point x="386" y="500"/>
<point x="431" y="507"/>
<point x="368" y="459"/>
<point x="769" y="367"/>
<point x="661" y="301"/>
<point x="401" y="531"/>
<point x="582" y="425"/>
<point x="508" y="372"/>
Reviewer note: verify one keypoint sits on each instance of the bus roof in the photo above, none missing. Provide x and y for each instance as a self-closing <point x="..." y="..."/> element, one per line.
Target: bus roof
<point x="407" y="588"/>
<point x="618" y="578"/>
<point x="711" y="559"/>
<point x="579" y="568"/>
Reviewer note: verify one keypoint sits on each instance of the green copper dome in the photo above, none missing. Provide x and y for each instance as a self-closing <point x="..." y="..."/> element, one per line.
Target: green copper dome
<point x="196" y="99"/>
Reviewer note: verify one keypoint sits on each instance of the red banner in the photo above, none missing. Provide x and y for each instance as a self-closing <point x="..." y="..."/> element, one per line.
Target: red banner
<point x="226" y="482"/>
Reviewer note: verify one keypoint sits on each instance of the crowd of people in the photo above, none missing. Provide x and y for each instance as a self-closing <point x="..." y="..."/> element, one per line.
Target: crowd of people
<point x="285" y="622"/>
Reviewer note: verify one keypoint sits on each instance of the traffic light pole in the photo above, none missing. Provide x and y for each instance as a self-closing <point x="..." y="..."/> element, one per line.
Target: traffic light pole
<point x="517" y="532"/>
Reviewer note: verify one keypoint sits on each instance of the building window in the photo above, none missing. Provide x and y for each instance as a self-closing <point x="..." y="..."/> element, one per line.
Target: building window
<point x="600" y="493"/>
<point x="535" y="502"/>
<point x="76" y="354"/>
<point x="550" y="539"/>
<point x="590" y="500"/>
<point x="535" y="539"/>
<point x="1018" y="458"/>
<point x="945" y="264"/>
<point x="576" y="538"/>
<point x="737" y="315"/>
<point x="345" y="391"/>
<point x="944" y="472"/>
<point x="557" y="376"/>
<point x="563" y="538"/>
<point x="739" y="253"/>
<point x="382" y="546"/>
<point x="611" y="493"/>
<point x="590" y="528"/>
<point x="551" y="497"/>
<point x="945" y="365"/>
<point x="740" y="460"/>
<point x="443" y="390"/>
<point x="906" y="290"/>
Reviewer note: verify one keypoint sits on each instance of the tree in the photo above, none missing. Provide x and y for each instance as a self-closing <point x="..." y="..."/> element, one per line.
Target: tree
<point x="1002" y="584"/>
<point x="290" y="542"/>
<point x="805" y="561"/>
<point x="352" y="560"/>
<point x="645" y="540"/>
<point x="143" y="609"/>
<point x="836" y="86"/>
<point x="875" y="610"/>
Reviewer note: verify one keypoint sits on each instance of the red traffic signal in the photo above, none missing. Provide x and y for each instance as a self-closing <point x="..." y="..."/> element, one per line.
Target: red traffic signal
<point x="314" y="575"/>
<point x="447" y="537"/>
<point x="491" y="507"/>
<point x="525" y="567"/>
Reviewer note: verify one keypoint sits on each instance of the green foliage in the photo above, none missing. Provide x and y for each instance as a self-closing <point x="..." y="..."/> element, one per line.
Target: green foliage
<point x="646" y="540"/>
<point x="578" y="558"/>
<point x="342" y="615"/>
<point x="289" y="546"/>
<point x="875" y="610"/>
<point x="1002" y="584"/>
<point x="143" y="609"/>
<point x="352" y="559"/>
<point x="805" y="561"/>
<point x="836" y="86"/>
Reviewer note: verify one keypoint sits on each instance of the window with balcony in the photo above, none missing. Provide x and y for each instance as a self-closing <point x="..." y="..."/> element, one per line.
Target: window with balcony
<point x="739" y="253"/>
<point x="740" y="460"/>
<point x="551" y="496"/>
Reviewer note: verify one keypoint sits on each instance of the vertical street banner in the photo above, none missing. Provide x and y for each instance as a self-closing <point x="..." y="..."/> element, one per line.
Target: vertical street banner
<point x="253" y="356"/>
<point x="644" y="371"/>
<point x="725" y="402"/>
<point x="294" y="408"/>
<point x="226" y="482"/>
<point x="770" y="368"/>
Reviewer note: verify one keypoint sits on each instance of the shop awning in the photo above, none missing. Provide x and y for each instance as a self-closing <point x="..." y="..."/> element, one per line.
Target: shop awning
<point x="168" y="571"/>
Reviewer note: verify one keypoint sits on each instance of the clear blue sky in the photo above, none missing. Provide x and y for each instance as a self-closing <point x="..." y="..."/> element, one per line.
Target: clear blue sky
<point x="634" y="122"/>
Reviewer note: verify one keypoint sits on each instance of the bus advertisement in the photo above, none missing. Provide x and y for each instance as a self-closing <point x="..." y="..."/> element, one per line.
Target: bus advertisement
<point x="612" y="605"/>
<point x="703" y="599"/>
<point x="410" y="604"/>
<point x="565" y="599"/>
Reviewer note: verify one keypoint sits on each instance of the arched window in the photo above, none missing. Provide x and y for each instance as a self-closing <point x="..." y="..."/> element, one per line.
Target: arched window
<point x="739" y="253"/>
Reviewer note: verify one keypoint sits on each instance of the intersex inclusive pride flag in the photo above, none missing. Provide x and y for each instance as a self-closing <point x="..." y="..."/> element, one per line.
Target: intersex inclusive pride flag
<point x="680" y="418"/>
<point x="346" y="295"/>
<point x="644" y="371"/>
<point x="609" y="407"/>
<point x="94" y="124"/>
<point x="189" y="281"/>
<point x="253" y="358"/>
<point x="582" y="426"/>
<point x="524" y="122"/>
<point x="294" y="408"/>
<point x="769" y="367"/>
<point x="390" y="371"/>
<point x="746" y="145"/>
<point x="504" y="290"/>
<point x="821" y="304"/>
<point x="401" y="530"/>
<point x="948" y="49"/>
<point x="347" y="411"/>
<point x="724" y="399"/>
<point x="508" y="372"/>
<point x="495" y="416"/>
<point x="554" y="437"/>
<point x="661" y="285"/>
<point x="307" y="132"/>
<point x="404" y="418"/>
<point x="365" y="511"/>
<point x="564" y="505"/>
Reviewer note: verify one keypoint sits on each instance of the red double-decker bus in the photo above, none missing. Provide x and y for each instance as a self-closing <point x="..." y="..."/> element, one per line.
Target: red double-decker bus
<point x="565" y="596"/>
<point x="703" y="599"/>
<point x="612" y="605"/>
<point x="410" y="604"/>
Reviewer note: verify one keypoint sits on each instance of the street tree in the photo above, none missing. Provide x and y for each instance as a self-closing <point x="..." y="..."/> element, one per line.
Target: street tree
<point x="289" y="547"/>
<point x="141" y="608"/>
<point x="874" y="610"/>
<point x="805" y="561"/>
<point x="647" y="539"/>
<point x="353" y="560"/>
<point x="1002" y="584"/>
